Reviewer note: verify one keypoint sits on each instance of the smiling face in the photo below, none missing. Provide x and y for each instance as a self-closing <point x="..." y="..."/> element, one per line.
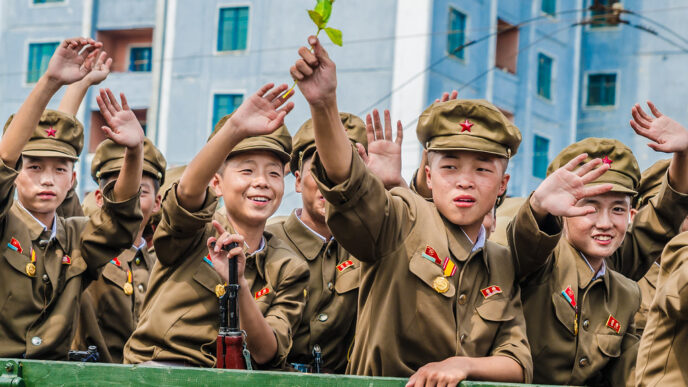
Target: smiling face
<point x="43" y="183"/>
<point x="313" y="200"/>
<point x="599" y="234"/>
<point x="465" y="185"/>
<point x="252" y="186"/>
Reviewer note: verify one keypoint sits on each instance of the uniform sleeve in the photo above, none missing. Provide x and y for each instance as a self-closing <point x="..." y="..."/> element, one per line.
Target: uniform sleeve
<point x="367" y="220"/>
<point x="180" y="232"/>
<point x="71" y="206"/>
<point x="110" y="230"/>
<point x="652" y="228"/>
<point x="285" y="311"/>
<point x="7" y="178"/>
<point x="512" y="341"/>
<point x="421" y="189"/>
<point x="531" y="241"/>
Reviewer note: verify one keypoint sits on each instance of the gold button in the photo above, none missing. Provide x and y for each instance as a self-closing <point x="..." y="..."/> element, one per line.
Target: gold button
<point x="137" y="261"/>
<point x="462" y="299"/>
<point x="584" y="362"/>
<point x="463" y="338"/>
<point x="219" y="290"/>
<point x="322" y="317"/>
<point x="586" y="324"/>
<point x="440" y="284"/>
<point x="329" y="285"/>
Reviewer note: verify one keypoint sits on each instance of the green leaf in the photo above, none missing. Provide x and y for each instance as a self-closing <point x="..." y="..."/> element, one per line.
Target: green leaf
<point x="324" y="8"/>
<point x="335" y="35"/>
<point x="317" y="19"/>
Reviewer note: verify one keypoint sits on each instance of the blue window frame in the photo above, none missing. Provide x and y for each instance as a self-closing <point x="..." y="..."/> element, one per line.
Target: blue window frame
<point x="232" y="30"/>
<point x="39" y="56"/>
<point x="549" y="7"/>
<point x="540" y="157"/>
<point x="140" y="58"/>
<point x="456" y="36"/>
<point x="544" y="78"/>
<point x="47" y="1"/>
<point x="601" y="90"/>
<point x="224" y="104"/>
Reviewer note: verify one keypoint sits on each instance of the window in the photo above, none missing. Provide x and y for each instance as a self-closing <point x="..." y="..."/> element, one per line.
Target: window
<point x="224" y="104"/>
<point x="456" y="36"/>
<point x="47" y="1"/>
<point x="549" y="7"/>
<point x="540" y="153"/>
<point x="232" y="29"/>
<point x="601" y="89"/>
<point x="602" y="14"/>
<point x="544" y="77"/>
<point x="507" y="47"/>
<point x="39" y="56"/>
<point x="140" y="58"/>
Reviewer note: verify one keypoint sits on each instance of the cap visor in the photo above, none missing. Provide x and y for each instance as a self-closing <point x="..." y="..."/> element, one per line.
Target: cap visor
<point x="49" y="153"/>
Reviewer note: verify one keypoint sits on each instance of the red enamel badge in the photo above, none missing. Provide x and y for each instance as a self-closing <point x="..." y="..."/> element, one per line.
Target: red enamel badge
<point x="491" y="291"/>
<point x="66" y="260"/>
<point x="570" y="297"/>
<point x="51" y="132"/>
<point x="613" y="324"/>
<point x="466" y="126"/>
<point x="431" y="255"/>
<point x="262" y="292"/>
<point x="14" y="245"/>
<point x="607" y="160"/>
<point x="115" y="261"/>
<point x="344" y="265"/>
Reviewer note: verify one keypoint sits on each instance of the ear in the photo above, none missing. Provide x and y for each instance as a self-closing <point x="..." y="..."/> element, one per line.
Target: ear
<point x="99" y="197"/>
<point x="631" y="214"/>
<point x="215" y="184"/>
<point x="505" y="183"/>
<point x="298" y="184"/>
<point x="156" y="205"/>
<point x="428" y="177"/>
<point x="71" y="183"/>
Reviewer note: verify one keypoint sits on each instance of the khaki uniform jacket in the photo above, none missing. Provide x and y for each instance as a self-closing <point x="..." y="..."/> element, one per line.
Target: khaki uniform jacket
<point x="648" y="287"/>
<point x="404" y="323"/>
<point x="38" y="312"/>
<point x="71" y="206"/>
<point x="581" y="345"/>
<point x="329" y="319"/>
<point x="180" y="318"/>
<point x="108" y="315"/>
<point x="663" y="353"/>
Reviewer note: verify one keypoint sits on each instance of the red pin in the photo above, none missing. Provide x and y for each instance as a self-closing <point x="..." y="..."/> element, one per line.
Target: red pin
<point x="607" y="161"/>
<point x="466" y="126"/>
<point x="51" y="132"/>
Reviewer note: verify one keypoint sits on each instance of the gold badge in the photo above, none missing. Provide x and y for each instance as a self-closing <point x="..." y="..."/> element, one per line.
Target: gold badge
<point x="219" y="290"/>
<point x="128" y="289"/>
<point x="30" y="269"/>
<point x="440" y="284"/>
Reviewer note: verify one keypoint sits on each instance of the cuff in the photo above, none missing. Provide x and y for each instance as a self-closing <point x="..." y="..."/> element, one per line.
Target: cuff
<point x="110" y="205"/>
<point x="180" y="219"/>
<point x="347" y="193"/>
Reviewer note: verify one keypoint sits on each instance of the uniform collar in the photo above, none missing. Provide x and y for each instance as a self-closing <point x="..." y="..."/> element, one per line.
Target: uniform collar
<point x="460" y="245"/>
<point x="36" y="227"/>
<point x="480" y="243"/>
<point x="308" y="242"/>
<point x="257" y="257"/>
<point x="140" y="246"/>
<point x="585" y="273"/>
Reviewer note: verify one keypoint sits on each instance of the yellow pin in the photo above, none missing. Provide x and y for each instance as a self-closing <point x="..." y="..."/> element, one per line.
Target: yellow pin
<point x="440" y="284"/>
<point x="30" y="269"/>
<point x="128" y="289"/>
<point x="220" y="290"/>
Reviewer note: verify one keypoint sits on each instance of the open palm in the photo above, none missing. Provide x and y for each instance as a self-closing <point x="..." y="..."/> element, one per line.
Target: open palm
<point x="667" y="135"/>
<point x="123" y="126"/>
<point x="72" y="60"/>
<point x="384" y="155"/>
<point x="260" y="113"/>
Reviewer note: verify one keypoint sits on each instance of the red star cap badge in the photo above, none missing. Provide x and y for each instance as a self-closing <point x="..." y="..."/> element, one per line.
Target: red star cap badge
<point x="607" y="160"/>
<point x="51" y="132"/>
<point x="466" y="126"/>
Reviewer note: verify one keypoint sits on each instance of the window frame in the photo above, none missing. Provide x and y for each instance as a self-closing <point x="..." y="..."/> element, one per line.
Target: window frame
<point x="216" y="32"/>
<point x="27" y="60"/>
<point x="60" y="3"/>
<point x="548" y="154"/>
<point x="553" y="76"/>
<point x="586" y="88"/>
<point x="213" y="93"/>
<point x="128" y="57"/>
<point x="556" y="7"/>
<point x="464" y="59"/>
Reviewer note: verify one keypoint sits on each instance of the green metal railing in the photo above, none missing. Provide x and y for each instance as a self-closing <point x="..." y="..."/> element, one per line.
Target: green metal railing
<point x="30" y="373"/>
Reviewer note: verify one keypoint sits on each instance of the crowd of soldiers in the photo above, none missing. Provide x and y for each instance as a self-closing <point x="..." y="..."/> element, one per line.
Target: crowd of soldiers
<point x="582" y="282"/>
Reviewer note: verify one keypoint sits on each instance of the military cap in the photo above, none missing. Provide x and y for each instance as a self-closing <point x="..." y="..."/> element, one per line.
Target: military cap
<point x="463" y="124"/>
<point x="650" y="182"/>
<point x="303" y="143"/>
<point x="278" y="142"/>
<point x="109" y="158"/>
<point x="57" y="135"/>
<point x="623" y="174"/>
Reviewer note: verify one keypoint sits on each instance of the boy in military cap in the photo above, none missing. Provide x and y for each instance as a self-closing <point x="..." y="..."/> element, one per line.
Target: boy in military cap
<point x="110" y="306"/>
<point x="437" y="302"/>
<point x="47" y="258"/>
<point x="245" y="161"/>
<point x="578" y="304"/>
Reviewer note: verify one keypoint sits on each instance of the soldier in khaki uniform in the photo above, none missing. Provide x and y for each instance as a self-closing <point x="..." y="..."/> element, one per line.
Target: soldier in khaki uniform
<point x="111" y="305"/>
<point x="436" y="301"/>
<point x="179" y="324"/>
<point x="578" y="303"/>
<point x="47" y="259"/>
<point x="329" y="318"/>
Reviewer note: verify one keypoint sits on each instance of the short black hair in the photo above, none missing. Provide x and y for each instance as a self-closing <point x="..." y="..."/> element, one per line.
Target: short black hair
<point x="104" y="180"/>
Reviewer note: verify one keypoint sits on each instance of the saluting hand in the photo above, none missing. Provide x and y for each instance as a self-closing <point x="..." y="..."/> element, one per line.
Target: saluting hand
<point x="315" y="74"/>
<point x="72" y="60"/>
<point x="124" y="128"/>
<point x="261" y="114"/>
<point x="220" y="258"/>
<point x="667" y="135"/>
<point x="560" y="192"/>
<point x="384" y="154"/>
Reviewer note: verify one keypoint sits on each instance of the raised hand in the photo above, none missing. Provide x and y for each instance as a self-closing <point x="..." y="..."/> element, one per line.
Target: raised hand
<point x="100" y="70"/>
<point x="261" y="113"/>
<point x="384" y="155"/>
<point x="448" y="97"/>
<point x="73" y="60"/>
<point x="316" y="74"/>
<point x="559" y="193"/>
<point x="123" y="126"/>
<point x="667" y="135"/>
<point x="220" y="258"/>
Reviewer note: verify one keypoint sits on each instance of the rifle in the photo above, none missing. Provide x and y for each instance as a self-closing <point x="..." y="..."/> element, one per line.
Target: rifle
<point x="231" y="346"/>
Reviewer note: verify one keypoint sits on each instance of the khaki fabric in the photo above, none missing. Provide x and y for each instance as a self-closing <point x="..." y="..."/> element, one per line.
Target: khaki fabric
<point x="180" y="318"/>
<point x="505" y="213"/>
<point x="463" y="124"/>
<point x="71" y="206"/>
<point x="329" y="318"/>
<point x="58" y="134"/>
<point x="663" y="353"/>
<point x="572" y="345"/>
<point x="108" y="315"/>
<point x="278" y="142"/>
<point x="648" y="288"/>
<point x="651" y="182"/>
<point x="38" y="311"/>
<point x="109" y="158"/>
<point x="403" y="322"/>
